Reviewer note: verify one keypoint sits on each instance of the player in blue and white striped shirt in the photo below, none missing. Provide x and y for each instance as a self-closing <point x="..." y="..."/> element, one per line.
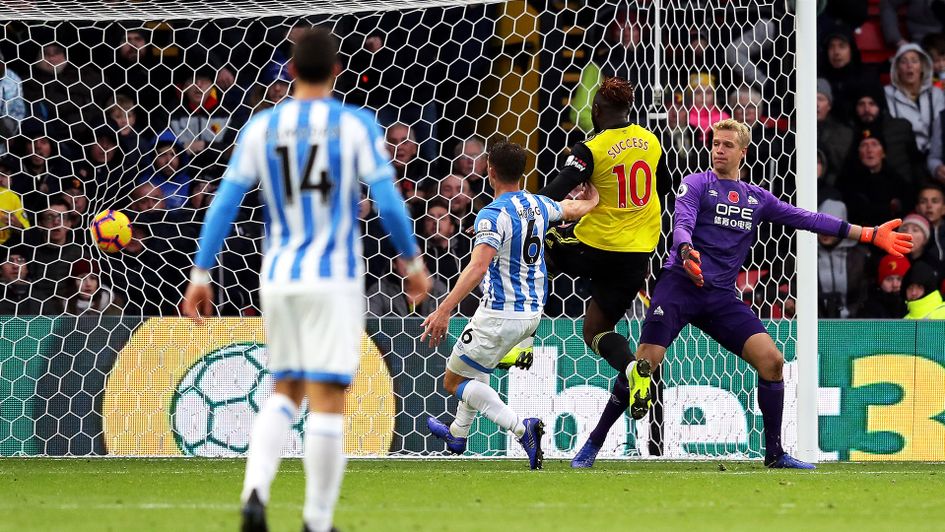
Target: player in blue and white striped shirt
<point x="508" y="259"/>
<point x="309" y="156"/>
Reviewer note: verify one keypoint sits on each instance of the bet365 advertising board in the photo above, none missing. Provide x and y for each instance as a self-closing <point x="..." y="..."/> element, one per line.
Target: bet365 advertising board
<point x="167" y="387"/>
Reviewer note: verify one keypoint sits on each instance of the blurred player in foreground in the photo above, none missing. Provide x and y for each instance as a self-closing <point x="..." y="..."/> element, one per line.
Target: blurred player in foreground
<point x="310" y="156"/>
<point x="508" y="259"/>
<point x="713" y="230"/>
<point x="612" y="245"/>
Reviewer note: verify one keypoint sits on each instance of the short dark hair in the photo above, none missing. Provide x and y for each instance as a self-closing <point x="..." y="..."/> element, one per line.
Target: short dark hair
<point x="315" y="55"/>
<point x="508" y="160"/>
<point x="930" y="185"/>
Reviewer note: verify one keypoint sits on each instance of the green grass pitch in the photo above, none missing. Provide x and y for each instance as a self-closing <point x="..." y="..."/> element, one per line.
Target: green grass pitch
<point x="499" y="495"/>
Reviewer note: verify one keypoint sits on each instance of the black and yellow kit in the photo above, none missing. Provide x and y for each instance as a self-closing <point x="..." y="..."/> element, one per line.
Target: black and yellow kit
<point x="612" y="244"/>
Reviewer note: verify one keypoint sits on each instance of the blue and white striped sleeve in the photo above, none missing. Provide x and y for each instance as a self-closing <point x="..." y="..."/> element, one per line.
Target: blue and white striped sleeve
<point x="241" y="175"/>
<point x="555" y="211"/>
<point x="245" y="164"/>
<point x="487" y="228"/>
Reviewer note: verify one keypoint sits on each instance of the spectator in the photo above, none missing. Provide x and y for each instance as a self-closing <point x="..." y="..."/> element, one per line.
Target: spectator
<point x="375" y="243"/>
<point x="625" y="46"/>
<point x="133" y="62"/>
<point x="56" y="89"/>
<point x="885" y="299"/>
<point x="918" y="227"/>
<point x="273" y="87"/>
<point x="873" y="192"/>
<point x="200" y="121"/>
<point x="457" y="192"/>
<point x="12" y="105"/>
<point x="833" y="138"/>
<point x="399" y="94"/>
<point x="104" y="163"/>
<point x="910" y="94"/>
<point x="702" y="109"/>
<point x="167" y="172"/>
<point x="676" y="138"/>
<point x="920" y="21"/>
<point x="934" y="45"/>
<point x="849" y="13"/>
<point x="402" y="146"/>
<point x="760" y="55"/>
<point x="42" y="171"/>
<point x="870" y="113"/>
<point x="123" y="117"/>
<point x="920" y="290"/>
<point x="90" y="297"/>
<point x="388" y="297"/>
<point x="146" y="197"/>
<point x="470" y="163"/>
<point x="15" y="277"/>
<point x="134" y="276"/>
<point x="53" y="255"/>
<point x="843" y="68"/>
<point x="12" y="218"/>
<point x="768" y="154"/>
<point x="931" y="205"/>
<point x="438" y="230"/>
<point x="840" y="268"/>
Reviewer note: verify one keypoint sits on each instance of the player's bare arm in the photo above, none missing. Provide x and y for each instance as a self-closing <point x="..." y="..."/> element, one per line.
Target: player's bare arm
<point x="574" y="209"/>
<point x="437" y="323"/>
<point x="198" y="299"/>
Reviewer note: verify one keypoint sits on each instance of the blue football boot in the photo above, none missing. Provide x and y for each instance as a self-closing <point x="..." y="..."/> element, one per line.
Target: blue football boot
<point x="585" y="457"/>
<point x="531" y="441"/>
<point x="453" y="444"/>
<point x="786" y="461"/>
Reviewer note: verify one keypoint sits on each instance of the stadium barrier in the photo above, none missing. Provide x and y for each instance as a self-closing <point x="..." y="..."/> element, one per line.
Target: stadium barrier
<point x="162" y="387"/>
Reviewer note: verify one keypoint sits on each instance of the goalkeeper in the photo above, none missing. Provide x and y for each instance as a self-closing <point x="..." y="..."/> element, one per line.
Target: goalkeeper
<point x="714" y="228"/>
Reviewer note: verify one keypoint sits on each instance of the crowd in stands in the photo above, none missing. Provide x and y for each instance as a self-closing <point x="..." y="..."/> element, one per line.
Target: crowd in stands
<point x="880" y="156"/>
<point x="147" y="122"/>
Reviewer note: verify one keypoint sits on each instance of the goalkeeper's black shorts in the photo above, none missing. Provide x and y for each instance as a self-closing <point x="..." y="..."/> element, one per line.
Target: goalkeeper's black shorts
<point x="616" y="276"/>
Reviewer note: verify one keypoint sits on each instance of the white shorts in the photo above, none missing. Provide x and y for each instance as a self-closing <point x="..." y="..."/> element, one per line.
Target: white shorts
<point x="484" y="342"/>
<point x="313" y="334"/>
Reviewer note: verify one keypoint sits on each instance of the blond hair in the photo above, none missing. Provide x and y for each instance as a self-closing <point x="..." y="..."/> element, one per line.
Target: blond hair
<point x="741" y="130"/>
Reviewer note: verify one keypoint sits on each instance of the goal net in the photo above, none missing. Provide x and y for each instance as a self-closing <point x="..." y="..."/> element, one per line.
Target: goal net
<point x="136" y="106"/>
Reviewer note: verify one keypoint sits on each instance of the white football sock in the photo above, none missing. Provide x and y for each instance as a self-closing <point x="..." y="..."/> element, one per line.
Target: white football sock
<point x="265" y="445"/>
<point x="483" y="398"/>
<point x="324" y="467"/>
<point x="463" y="420"/>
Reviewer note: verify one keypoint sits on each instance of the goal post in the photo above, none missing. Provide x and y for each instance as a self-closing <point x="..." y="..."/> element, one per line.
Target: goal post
<point x="808" y="445"/>
<point x="135" y="106"/>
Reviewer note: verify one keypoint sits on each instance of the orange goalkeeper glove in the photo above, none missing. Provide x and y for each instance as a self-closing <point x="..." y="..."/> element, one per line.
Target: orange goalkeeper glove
<point x="692" y="263"/>
<point x="887" y="238"/>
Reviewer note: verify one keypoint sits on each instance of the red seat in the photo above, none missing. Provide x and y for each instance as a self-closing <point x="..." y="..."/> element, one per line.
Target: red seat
<point x="869" y="39"/>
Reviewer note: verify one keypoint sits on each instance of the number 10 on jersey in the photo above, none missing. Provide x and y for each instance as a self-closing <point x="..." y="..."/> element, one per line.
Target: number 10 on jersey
<point x="628" y="184"/>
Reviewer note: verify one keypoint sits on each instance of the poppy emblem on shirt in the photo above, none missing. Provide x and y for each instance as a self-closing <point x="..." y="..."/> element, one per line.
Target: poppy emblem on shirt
<point x="733" y="196"/>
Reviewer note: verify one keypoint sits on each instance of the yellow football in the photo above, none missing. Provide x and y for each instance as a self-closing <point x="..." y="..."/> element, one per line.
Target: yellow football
<point x="111" y="230"/>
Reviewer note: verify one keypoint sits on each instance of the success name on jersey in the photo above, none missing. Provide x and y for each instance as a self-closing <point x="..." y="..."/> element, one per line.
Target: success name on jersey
<point x="734" y="216"/>
<point x="626" y="144"/>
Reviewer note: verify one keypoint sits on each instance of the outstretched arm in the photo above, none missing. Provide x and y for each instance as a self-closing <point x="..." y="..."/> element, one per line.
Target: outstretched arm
<point x="437" y="322"/>
<point x="882" y="236"/>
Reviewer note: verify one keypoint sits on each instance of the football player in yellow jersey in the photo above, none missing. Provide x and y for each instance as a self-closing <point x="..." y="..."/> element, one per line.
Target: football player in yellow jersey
<point x="611" y="245"/>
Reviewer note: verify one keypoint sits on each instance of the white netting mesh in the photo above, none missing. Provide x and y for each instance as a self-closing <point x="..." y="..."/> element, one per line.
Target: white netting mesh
<point x="140" y="115"/>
